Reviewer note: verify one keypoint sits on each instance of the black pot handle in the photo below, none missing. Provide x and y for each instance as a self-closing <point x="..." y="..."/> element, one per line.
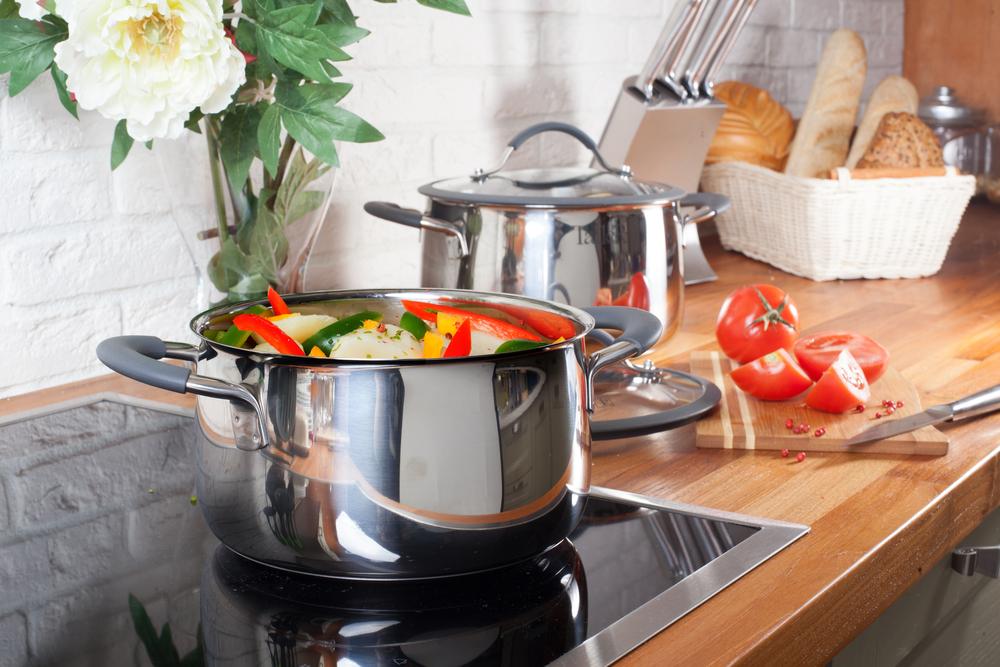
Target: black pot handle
<point x="640" y="330"/>
<point x="411" y="217"/>
<point x="631" y="427"/>
<point x="709" y="205"/>
<point x="138" y="357"/>
<point x="553" y="126"/>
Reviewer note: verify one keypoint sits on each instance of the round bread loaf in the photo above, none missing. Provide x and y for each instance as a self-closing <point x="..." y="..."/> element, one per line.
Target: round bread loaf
<point x="902" y="140"/>
<point x="755" y="128"/>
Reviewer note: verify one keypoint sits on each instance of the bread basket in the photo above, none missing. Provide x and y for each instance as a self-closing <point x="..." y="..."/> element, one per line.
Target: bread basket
<point x="828" y="229"/>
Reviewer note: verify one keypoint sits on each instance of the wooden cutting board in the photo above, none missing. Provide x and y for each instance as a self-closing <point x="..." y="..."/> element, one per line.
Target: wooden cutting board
<point x="743" y="422"/>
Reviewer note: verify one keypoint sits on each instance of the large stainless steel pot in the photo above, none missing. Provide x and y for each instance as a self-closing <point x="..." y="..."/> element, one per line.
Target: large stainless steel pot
<point x="579" y="236"/>
<point x="390" y="469"/>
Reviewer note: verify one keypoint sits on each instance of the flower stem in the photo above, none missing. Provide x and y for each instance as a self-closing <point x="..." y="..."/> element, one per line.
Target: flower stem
<point x="217" y="186"/>
<point x="286" y="154"/>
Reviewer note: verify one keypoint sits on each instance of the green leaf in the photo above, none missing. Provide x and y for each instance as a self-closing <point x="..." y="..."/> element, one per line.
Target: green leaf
<point x="340" y="11"/>
<point x="171" y="657"/>
<point x="453" y="6"/>
<point x="293" y="200"/>
<point x="269" y="138"/>
<point x="8" y="9"/>
<point x="238" y="143"/>
<point x="342" y="34"/>
<point x="161" y="650"/>
<point x="194" y="120"/>
<point x="311" y="115"/>
<point x="121" y="145"/>
<point x="26" y="48"/>
<point x="289" y="35"/>
<point x="268" y="248"/>
<point x="68" y="103"/>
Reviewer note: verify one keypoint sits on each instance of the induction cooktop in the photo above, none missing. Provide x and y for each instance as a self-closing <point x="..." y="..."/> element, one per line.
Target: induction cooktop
<point x="104" y="489"/>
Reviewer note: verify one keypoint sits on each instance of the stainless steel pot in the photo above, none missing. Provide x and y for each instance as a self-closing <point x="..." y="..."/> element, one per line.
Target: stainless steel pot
<point x="390" y="468"/>
<point x="579" y="236"/>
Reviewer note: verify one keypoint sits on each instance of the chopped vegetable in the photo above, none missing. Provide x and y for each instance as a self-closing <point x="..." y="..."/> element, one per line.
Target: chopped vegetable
<point x="316" y="352"/>
<point x="234" y="337"/>
<point x="278" y="304"/>
<point x="284" y="316"/>
<point x="413" y="324"/>
<point x="267" y="330"/>
<point x="461" y="342"/>
<point x="518" y="345"/>
<point x="328" y="335"/>
<point x="841" y="387"/>
<point x="491" y="325"/>
<point x="433" y="345"/>
<point x="370" y="324"/>
<point x="448" y="324"/>
<point x="550" y="325"/>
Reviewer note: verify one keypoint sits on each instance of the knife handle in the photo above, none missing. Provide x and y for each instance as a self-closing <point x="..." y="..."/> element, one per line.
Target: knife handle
<point x="979" y="403"/>
<point x="660" y="54"/>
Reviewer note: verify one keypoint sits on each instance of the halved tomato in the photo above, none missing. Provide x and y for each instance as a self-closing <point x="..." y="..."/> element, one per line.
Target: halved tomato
<point x="815" y="353"/>
<point x="841" y="387"/>
<point x="773" y="377"/>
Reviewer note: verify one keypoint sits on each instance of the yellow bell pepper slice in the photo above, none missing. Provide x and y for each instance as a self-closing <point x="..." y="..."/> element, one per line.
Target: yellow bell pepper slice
<point x="433" y="345"/>
<point x="448" y="323"/>
<point x="278" y="318"/>
<point x="316" y="352"/>
<point x="369" y="324"/>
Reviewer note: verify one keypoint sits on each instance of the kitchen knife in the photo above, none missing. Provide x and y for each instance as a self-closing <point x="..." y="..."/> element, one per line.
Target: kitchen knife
<point x="979" y="403"/>
<point x="663" y="49"/>
<point x="729" y="40"/>
<point x="716" y="34"/>
<point x="670" y="74"/>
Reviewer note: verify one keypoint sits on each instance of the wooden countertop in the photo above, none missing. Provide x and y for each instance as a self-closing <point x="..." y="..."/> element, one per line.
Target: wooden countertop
<point x="878" y="521"/>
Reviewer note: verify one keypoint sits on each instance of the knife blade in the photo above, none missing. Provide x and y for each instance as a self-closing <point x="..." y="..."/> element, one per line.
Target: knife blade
<point x="697" y="68"/>
<point x="662" y="50"/>
<point x="973" y="405"/>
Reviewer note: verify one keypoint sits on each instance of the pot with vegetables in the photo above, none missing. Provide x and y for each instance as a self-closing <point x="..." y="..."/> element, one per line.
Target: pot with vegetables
<point x="390" y="434"/>
<point x="575" y="235"/>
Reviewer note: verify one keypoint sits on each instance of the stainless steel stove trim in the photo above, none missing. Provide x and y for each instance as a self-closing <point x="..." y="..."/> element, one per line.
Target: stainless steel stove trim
<point x="639" y="625"/>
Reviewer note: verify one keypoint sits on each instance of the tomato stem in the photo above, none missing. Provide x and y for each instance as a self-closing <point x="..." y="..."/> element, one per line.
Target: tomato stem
<point x="771" y="314"/>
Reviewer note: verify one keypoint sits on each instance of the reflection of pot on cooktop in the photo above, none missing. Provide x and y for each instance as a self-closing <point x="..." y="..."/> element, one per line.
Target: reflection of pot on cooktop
<point x="529" y="613"/>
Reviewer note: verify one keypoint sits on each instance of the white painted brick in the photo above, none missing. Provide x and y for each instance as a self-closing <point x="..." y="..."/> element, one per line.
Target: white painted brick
<point x="529" y="93"/>
<point x="119" y="475"/>
<point x="89" y="551"/>
<point x="800" y="81"/>
<point x="884" y="51"/>
<point x="620" y="9"/>
<point x="148" y="182"/>
<point x="163" y="309"/>
<point x="72" y="329"/>
<point x="792" y="48"/>
<point x="25" y="572"/>
<point x="393" y="43"/>
<point x="823" y="15"/>
<point x="63" y="189"/>
<point x="79" y="261"/>
<point x="4" y="511"/>
<point x="582" y="40"/>
<point x="84" y="428"/>
<point x="172" y="525"/>
<point x="862" y="15"/>
<point x="13" y="641"/>
<point x="750" y="48"/>
<point x="494" y="40"/>
<point x="398" y="95"/>
<point x="774" y="81"/>
<point x="892" y="19"/>
<point x="773" y="13"/>
<point x="34" y="122"/>
<point x="401" y="156"/>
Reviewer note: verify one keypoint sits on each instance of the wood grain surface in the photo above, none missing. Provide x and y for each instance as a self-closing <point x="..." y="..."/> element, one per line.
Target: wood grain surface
<point x="742" y="422"/>
<point x="878" y="521"/>
<point x="954" y="44"/>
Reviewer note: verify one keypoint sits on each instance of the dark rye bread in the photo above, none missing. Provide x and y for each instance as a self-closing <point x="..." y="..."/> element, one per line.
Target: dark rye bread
<point x="902" y="140"/>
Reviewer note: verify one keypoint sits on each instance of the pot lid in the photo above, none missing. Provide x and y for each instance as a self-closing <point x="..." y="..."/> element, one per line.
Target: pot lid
<point x="552" y="187"/>
<point x="632" y="399"/>
<point x="943" y="108"/>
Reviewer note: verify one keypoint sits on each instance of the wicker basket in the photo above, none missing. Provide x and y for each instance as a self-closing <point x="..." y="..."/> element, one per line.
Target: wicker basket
<point x="828" y="229"/>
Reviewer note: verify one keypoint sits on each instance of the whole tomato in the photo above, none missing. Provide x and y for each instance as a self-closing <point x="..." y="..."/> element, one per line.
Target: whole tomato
<point x="755" y="320"/>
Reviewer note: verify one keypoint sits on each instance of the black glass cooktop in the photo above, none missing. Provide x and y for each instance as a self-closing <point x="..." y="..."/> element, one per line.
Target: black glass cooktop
<point x="103" y="510"/>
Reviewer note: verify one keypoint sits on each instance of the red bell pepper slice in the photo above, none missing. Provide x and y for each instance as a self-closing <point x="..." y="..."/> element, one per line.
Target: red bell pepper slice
<point x="461" y="342"/>
<point x="278" y="304"/>
<point x="269" y="331"/>
<point x="550" y="325"/>
<point x="637" y="295"/>
<point x="484" y="323"/>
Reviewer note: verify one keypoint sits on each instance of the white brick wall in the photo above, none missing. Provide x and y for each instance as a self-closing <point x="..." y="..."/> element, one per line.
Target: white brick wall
<point x="86" y="254"/>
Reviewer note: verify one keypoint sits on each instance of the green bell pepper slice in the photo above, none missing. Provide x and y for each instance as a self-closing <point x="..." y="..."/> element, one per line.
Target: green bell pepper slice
<point x="328" y="335"/>
<point x="413" y="324"/>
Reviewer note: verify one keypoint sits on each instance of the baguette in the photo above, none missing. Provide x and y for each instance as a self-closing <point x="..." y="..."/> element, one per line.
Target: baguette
<point x="824" y="133"/>
<point x="894" y="93"/>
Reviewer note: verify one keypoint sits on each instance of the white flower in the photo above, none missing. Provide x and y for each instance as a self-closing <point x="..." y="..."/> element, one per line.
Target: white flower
<point x="30" y="9"/>
<point x="150" y="62"/>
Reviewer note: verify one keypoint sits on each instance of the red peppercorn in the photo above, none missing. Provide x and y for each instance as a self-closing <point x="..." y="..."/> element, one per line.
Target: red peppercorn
<point x="878" y="415"/>
<point x="789" y="423"/>
<point x="860" y="407"/>
<point x="804" y="427"/>
<point x="819" y="432"/>
<point x="889" y="410"/>
<point x="800" y="457"/>
<point x="784" y="453"/>
<point x="899" y="404"/>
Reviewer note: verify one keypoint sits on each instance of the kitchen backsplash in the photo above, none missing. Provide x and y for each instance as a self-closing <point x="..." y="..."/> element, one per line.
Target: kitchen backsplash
<point x="86" y="254"/>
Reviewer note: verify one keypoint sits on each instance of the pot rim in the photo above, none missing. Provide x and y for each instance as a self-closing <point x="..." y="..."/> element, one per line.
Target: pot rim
<point x="584" y="321"/>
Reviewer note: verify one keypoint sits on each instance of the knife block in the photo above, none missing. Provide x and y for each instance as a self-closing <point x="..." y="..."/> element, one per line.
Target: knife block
<point x="665" y="141"/>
